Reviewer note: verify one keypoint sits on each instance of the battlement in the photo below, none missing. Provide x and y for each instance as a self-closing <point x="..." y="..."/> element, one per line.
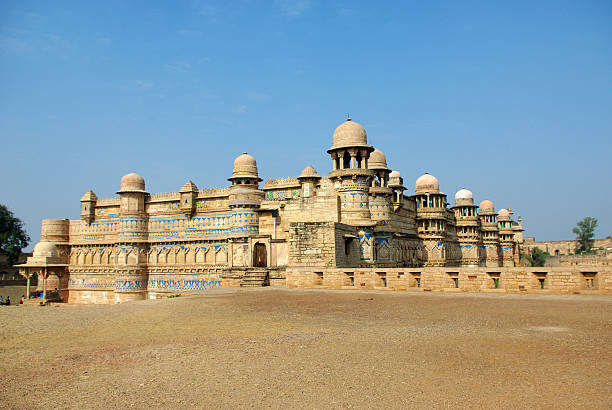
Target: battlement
<point x="213" y="192"/>
<point x="281" y="182"/>
<point x="165" y="196"/>
<point x="108" y="202"/>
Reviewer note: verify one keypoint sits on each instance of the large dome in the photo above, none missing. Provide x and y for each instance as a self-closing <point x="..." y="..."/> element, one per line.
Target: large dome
<point x="350" y="134"/>
<point x="486" y="205"/>
<point x="245" y="166"/>
<point x="377" y="160"/>
<point x="132" y="183"/>
<point x="45" y="248"/>
<point x="427" y="183"/>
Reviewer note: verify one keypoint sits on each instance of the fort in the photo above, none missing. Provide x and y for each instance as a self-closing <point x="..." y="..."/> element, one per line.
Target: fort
<point x="357" y="227"/>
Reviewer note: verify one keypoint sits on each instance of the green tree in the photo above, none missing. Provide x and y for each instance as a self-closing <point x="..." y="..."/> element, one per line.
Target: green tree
<point x="13" y="237"/>
<point x="585" y="232"/>
<point x="537" y="257"/>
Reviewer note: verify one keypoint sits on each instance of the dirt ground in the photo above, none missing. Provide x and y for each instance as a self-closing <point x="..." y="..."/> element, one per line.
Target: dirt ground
<point x="277" y="348"/>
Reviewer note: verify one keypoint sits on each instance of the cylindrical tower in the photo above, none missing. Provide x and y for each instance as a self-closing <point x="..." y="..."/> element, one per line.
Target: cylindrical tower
<point x="380" y="192"/>
<point x="431" y="219"/>
<point x="380" y="200"/>
<point x="467" y="223"/>
<point x="131" y="262"/>
<point x="506" y="237"/>
<point x="245" y="196"/>
<point x="489" y="234"/>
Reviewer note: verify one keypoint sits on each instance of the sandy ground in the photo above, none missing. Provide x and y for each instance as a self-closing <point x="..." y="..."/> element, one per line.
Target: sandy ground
<point x="275" y="348"/>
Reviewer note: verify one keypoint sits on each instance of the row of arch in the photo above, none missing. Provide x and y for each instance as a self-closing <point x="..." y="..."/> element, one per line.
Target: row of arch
<point x="216" y="255"/>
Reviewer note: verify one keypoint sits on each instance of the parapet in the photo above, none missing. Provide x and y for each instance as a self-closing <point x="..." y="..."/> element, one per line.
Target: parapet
<point x="281" y="182"/>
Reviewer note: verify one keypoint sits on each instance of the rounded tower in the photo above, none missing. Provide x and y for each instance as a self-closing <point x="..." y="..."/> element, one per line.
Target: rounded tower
<point x="431" y="219"/>
<point x="489" y="235"/>
<point x="380" y="200"/>
<point x="506" y="237"/>
<point x="467" y="223"/>
<point x="350" y="173"/>
<point x="131" y="262"/>
<point x="245" y="196"/>
<point x="352" y="180"/>
<point x="380" y="192"/>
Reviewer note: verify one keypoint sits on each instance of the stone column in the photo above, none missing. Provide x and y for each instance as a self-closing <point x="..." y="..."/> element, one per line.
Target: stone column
<point x="27" y="275"/>
<point x="44" y="284"/>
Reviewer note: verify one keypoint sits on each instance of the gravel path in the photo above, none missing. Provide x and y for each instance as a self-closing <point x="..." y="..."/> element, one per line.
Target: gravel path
<point x="277" y="348"/>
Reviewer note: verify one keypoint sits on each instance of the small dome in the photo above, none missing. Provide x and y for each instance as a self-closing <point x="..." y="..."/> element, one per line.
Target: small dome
<point x="503" y="213"/>
<point x="487" y="205"/>
<point x="309" y="172"/>
<point x="245" y="166"/>
<point x="45" y="248"/>
<point x="394" y="174"/>
<point x="377" y="160"/>
<point x="132" y="183"/>
<point x="349" y="134"/>
<point x="464" y="194"/>
<point x="427" y="183"/>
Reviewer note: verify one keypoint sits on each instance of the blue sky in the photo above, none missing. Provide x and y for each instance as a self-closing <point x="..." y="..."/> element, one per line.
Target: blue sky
<point x="512" y="100"/>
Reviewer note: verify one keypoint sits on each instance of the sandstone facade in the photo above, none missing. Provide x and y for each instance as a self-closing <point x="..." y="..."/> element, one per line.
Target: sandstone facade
<point x="355" y="227"/>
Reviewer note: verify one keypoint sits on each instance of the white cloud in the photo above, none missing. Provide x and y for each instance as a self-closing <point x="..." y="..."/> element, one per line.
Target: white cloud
<point x="294" y="8"/>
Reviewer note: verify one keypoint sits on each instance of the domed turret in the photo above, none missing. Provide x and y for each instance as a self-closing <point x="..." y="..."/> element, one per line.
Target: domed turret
<point x="350" y="134"/>
<point x="245" y="166"/>
<point x="309" y="179"/>
<point x="487" y="205"/>
<point x="464" y="197"/>
<point x="309" y="172"/>
<point x="132" y="183"/>
<point x="377" y="160"/>
<point x="395" y="174"/>
<point x="464" y="194"/>
<point x="46" y="249"/>
<point x="503" y="214"/>
<point x="427" y="183"/>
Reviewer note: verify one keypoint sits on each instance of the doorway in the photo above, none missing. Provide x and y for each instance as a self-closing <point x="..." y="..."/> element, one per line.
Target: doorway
<point x="259" y="255"/>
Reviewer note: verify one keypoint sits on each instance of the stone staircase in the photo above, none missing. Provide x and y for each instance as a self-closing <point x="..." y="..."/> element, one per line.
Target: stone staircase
<point x="255" y="277"/>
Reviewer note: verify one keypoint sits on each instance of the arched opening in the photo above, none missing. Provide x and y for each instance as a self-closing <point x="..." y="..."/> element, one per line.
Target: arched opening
<point x="347" y="161"/>
<point x="259" y="255"/>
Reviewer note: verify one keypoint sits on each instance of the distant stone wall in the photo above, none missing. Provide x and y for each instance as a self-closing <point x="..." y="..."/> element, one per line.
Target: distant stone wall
<point x="564" y="247"/>
<point x="582" y="279"/>
<point x="579" y="260"/>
